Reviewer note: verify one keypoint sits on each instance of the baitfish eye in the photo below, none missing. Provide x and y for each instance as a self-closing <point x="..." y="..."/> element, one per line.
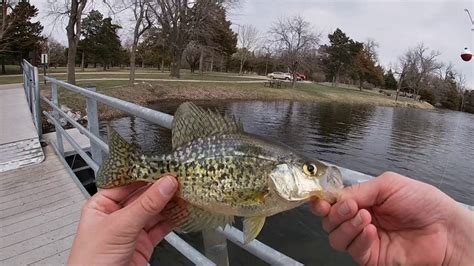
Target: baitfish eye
<point x="310" y="169"/>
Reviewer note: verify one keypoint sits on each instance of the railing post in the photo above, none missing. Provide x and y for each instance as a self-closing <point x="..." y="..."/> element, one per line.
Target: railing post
<point x="215" y="247"/>
<point x="54" y="100"/>
<point x="36" y="105"/>
<point x="93" y="126"/>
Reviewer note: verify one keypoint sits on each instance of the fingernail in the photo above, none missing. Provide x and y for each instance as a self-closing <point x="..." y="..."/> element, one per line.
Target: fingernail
<point x="357" y="220"/>
<point x="344" y="209"/>
<point x="167" y="186"/>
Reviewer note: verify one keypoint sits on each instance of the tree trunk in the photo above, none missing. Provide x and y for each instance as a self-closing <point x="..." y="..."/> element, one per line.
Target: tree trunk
<point x="131" y="78"/>
<point x="266" y="67"/>
<point x="242" y="61"/>
<point x="176" y="64"/>
<point x="162" y="64"/>
<point x="4" y="71"/>
<point x="360" y="84"/>
<point x="71" y="62"/>
<point x="82" y="61"/>
<point x="73" y="32"/>
<point x="201" y="60"/>
<point x="143" y="64"/>
<point x="212" y="62"/>
<point x="293" y="82"/>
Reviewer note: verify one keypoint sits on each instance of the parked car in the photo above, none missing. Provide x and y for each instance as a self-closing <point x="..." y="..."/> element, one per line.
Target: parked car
<point x="280" y="75"/>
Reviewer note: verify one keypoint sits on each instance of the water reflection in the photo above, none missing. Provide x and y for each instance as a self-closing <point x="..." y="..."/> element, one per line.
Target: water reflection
<point x="433" y="146"/>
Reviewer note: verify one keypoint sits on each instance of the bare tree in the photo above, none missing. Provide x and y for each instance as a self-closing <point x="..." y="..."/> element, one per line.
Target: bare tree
<point x="73" y="31"/>
<point x="294" y="37"/>
<point x="8" y="22"/>
<point x="415" y="67"/>
<point x="73" y="10"/>
<point x="142" y="24"/>
<point x="248" y="39"/>
<point x="174" y="17"/>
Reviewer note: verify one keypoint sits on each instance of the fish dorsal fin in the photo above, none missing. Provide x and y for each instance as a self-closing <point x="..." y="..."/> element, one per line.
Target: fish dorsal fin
<point x="191" y="122"/>
<point x="190" y="218"/>
<point x="252" y="227"/>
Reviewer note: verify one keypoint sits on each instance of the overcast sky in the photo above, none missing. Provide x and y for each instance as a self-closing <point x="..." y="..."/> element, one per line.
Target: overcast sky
<point x="395" y="24"/>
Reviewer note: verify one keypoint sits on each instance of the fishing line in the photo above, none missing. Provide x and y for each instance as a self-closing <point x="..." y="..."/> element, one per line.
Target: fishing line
<point x="443" y="175"/>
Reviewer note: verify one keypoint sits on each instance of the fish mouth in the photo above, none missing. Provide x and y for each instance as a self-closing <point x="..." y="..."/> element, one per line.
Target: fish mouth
<point x="331" y="184"/>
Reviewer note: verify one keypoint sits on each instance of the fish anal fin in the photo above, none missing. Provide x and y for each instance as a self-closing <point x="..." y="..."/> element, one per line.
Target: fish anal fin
<point x="191" y="122"/>
<point x="252" y="227"/>
<point x="190" y="218"/>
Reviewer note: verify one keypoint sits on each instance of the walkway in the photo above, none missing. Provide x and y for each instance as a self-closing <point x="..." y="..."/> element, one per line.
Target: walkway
<point x="19" y="143"/>
<point x="40" y="202"/>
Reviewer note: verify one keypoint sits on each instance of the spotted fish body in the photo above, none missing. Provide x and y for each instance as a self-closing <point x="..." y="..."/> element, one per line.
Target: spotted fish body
<point x="222" y="171"/>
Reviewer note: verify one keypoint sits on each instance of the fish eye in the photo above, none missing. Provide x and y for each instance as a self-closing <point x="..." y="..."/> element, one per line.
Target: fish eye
<point x="310" y="169"/>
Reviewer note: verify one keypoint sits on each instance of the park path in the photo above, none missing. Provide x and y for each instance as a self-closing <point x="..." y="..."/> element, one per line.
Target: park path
<point x="40" y="200"/>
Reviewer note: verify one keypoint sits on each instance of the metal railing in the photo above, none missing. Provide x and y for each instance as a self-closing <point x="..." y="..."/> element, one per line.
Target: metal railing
<point x="31" y="87"/>
<point x="214" y="240"/>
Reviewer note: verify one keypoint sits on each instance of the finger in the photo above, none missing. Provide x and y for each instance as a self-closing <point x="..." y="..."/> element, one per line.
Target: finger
<point x="107" y="200"/>
<point x="158" y="232"/>
<point x="135" y="195"/>
<point x="149" y="204"/>
<point x="341" y="237"/>
<point x="361" y="249"/>
<point x="339" y="213"/>
<point x="120" y="193"/>
<point x="375" y="191"/>
<point x="320" y="207"/>
<point x="143" y="249"/>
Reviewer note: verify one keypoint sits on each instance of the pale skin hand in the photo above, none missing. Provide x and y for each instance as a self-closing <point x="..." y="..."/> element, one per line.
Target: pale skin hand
<point x="395" y="220"/>
<point x="110" y="234"/>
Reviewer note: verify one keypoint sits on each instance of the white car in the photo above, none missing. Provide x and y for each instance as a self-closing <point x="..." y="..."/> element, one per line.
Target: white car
<point x="280" y="75"/>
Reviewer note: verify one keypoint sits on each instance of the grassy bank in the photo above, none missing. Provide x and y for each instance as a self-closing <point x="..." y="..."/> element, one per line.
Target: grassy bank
<point x="145" y="93"/>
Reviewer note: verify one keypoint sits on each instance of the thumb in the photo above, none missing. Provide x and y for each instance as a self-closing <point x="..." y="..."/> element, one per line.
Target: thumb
<point x="372" y="192"/>
<point x="149" y="204"/>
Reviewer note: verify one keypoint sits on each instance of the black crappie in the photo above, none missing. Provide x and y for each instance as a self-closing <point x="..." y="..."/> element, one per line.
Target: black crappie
<point x="223" y="172"/>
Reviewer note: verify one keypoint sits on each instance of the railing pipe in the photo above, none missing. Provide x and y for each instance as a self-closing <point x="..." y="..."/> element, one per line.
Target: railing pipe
<point x="36" y="110"/>
<point x="100" y="143"/>
<point x="150" y="115"/>
<point x="257" y="248"/>
<point x="187" y="250"/>
<point x="93" y="125"/>
<point x="73" y="143"/>
<point x="54" y="99"/>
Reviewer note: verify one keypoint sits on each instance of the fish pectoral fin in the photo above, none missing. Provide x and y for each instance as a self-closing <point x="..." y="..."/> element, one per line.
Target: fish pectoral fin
<point x="252" y="227"/>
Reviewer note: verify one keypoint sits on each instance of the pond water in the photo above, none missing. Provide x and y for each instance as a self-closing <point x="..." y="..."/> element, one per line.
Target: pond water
<point x="436" y="147"/>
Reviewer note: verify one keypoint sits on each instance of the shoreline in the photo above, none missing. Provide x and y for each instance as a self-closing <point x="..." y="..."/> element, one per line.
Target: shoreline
<point x="147" y="94"/>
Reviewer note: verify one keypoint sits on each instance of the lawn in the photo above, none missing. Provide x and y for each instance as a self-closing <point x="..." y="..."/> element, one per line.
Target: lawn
<point x="123" y="75"/>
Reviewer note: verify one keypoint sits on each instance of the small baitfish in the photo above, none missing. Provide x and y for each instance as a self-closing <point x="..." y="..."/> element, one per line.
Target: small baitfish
<point x="223" y="172"/>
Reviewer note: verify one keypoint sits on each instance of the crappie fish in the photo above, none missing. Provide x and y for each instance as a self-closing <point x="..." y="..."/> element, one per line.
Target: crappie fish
<point x="222" y="172"/>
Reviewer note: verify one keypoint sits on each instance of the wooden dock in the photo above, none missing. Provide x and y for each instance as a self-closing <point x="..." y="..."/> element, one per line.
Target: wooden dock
<point x="39" y="204"/>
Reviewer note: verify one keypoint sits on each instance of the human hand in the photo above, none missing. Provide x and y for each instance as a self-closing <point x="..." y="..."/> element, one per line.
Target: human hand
<point x="395" y="220"/>
<point x="121" y="226"/>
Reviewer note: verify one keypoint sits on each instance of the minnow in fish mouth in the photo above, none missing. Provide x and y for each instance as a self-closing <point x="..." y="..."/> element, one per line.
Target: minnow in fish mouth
<point x="222" y="172"/>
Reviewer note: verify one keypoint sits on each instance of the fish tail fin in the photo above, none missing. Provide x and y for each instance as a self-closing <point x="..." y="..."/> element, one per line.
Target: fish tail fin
<point x="115" y="171"/>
